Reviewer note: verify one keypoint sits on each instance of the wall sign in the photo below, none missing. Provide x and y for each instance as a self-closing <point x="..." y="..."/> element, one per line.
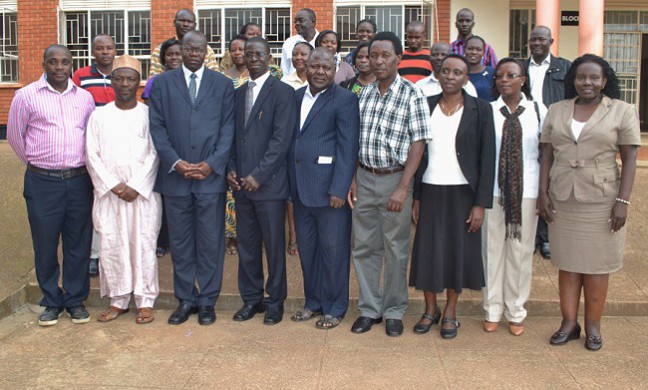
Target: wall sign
<point x="569" y="18"/>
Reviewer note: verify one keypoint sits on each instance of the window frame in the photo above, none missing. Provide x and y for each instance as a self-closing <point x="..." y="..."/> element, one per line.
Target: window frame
<point x="262" y="6"/>
<point x="5" y="56"/>
<point x="63" y="37"/>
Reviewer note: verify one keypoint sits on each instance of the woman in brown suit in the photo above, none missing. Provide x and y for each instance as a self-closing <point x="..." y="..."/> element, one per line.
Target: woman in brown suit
<point x="582" y="194"/>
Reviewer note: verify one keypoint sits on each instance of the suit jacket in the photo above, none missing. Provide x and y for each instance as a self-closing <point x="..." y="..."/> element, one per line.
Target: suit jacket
<point x="587" y="165"/>
<point x="553" y="87"/>
<point x="331" y="129"/>
<point x="475" y="144"/>
<point x="194" y="133"/>
<point x="261" y="147"/>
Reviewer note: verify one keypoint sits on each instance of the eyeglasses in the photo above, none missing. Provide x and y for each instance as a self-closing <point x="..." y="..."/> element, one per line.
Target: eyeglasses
<point x="194" y="50"/>
<point x="259" y="55"/>
<point x="507" y="76"/>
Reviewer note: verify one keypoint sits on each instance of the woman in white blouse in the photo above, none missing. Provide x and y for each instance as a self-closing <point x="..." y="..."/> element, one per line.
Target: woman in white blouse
<point x="510" y="226"/>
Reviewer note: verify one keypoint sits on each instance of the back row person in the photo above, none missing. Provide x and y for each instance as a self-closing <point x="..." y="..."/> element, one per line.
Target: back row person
<point x="305" y="25"/>
<point x="96" y="79"/>
<point x="184" y="22"/>
<point x="465" y="22"/>
<point x="431" y="85"/>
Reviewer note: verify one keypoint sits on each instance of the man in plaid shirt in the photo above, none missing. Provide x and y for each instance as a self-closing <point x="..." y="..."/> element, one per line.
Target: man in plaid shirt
<point x="394" y="129"/>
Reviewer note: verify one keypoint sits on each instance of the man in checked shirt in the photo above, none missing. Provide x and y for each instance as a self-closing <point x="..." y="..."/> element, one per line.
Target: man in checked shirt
<point x="394" y="129"/>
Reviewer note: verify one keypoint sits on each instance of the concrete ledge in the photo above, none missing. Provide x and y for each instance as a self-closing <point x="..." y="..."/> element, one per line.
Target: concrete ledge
<point x="466" y="307"/>
<point x="11" y="303"/>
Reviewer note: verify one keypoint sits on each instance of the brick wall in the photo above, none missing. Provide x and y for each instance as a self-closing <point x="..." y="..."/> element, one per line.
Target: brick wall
<point x="323" y="11"/>
<point x="37" y="29"/>
<point x="446" y="22"/>
<point x="162" y="15"/>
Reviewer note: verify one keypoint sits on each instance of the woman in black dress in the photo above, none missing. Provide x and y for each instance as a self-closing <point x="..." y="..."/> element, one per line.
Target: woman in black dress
<point x="453" y="187"/>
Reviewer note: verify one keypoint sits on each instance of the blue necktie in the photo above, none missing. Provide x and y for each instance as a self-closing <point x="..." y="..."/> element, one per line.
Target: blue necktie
<point x="192" y="88"/>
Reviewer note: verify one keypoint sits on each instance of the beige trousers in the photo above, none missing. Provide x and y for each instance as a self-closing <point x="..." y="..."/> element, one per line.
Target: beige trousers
<point x="507" y="263"/>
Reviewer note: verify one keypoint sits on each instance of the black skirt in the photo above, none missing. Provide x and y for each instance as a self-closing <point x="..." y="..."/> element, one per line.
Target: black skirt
<point x="445" y="255"/>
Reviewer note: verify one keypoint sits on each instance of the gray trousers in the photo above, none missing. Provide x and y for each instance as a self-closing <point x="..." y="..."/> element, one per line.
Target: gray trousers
<point x="381" y="239"/>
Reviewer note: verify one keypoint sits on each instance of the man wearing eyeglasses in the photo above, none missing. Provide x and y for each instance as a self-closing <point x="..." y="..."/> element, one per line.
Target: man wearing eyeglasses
<point x="306" y="32"/>
<point x="191" y="111"/>
<point x="547" y="80"/>
<point x="265" y="120"/>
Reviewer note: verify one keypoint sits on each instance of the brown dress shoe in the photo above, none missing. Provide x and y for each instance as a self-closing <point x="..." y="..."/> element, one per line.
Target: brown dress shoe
<point x="516" y="328"/>
<point x="490" y="326"/>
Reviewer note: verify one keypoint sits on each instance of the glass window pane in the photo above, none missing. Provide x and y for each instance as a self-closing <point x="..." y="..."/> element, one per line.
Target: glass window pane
<point x="277" y="28"/>
<point x="620" y="20"/>
<point x="111" y="23"/>
<point x="209" y="22"/>
<point x="346" y="20"/>
<point x="9" y="52"/>
<point x="236" y="18"/>
<point x="387" y="18"/>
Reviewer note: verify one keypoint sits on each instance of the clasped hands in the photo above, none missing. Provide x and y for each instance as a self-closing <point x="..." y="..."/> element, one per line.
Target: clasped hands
<point x="189" y="171"/>
<point x="125" y="192"/>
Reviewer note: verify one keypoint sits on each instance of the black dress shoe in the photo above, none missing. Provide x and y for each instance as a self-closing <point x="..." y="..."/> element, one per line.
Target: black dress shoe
<point x="561" y="338"/>
<point x="364" y="324"/>
<point x="248" y="311"/>
<point x="593" y="343"/>
<point x="424" y="328"/>
<point x="545" y="250"/>
<point x="393" y="327"/>
<point x="452" y="332"/>
<point x="206" y="315"/>
<point x="272" y="317"/>
<point x="182" y="313"/>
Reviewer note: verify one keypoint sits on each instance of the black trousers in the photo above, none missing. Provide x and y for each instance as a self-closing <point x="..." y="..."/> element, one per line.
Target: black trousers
<point x="60" y="209"/>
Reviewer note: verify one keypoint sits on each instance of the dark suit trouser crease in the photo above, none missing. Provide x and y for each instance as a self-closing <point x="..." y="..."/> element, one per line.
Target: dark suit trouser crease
<point x="324" y="240"/>
<point x="261" y="222"/>
<point x="542" y="233"/>
<point x="59" y="208"/>
<point x="197" y="239"/>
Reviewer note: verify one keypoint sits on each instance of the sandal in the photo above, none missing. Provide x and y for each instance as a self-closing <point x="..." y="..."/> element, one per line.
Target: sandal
<point x="145" y="315"/>
<point x="305" y="315"/>
<point x="231" y="246"/>
<point x="292" y="248"/>
<point x="111" y="314"/>
<point x="328" y="322"/>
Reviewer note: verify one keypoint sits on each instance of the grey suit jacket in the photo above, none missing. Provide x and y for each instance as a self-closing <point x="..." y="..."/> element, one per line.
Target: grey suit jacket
<point x="200" y="132"/>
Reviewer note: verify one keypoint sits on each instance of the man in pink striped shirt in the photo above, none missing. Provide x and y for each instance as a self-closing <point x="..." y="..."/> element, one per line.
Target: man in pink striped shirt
<point x="47" y="131"/>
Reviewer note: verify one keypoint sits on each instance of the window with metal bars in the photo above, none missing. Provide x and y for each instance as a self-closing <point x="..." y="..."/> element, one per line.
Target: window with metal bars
<point x="130" y="29"/>
<point x="9" y="53"/>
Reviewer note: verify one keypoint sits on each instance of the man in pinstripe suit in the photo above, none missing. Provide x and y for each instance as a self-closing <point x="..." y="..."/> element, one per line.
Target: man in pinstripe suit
<point x="322" y="162"/>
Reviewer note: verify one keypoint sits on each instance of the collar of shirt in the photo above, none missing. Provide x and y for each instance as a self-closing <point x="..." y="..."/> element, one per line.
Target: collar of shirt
<point x="526" y="103"/>
<point x="94" y="69"/>
<point x="259" y="81"/>
<point x="44" y="84"/>
<point x="307" y="105"/>
<point x="312" y="42"/>
<point x="187" y="75"/>
<point x="396" y="83"/>
<point x="546" y="61"/>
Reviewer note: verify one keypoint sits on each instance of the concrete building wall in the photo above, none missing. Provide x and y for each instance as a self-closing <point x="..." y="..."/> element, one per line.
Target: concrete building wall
<point x="491" y="22"/>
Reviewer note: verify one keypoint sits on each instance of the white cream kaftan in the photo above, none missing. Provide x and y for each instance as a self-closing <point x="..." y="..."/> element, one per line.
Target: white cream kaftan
<point x="120" y="150"/>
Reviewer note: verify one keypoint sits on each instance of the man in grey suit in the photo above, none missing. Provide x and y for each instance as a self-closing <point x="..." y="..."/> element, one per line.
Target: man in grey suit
<point x="265" y="119"/>
<point x="191" y="112"/>
<point x="322" y="162"/>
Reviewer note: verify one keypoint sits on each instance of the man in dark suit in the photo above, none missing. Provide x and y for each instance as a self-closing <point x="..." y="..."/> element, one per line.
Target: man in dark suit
<point x="322" y="162"/>
<point x="547" y="80"/>
<point x="192" y="124"/>
<point x="265" y="120"/>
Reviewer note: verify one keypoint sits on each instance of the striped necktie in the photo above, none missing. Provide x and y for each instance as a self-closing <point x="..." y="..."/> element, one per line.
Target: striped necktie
<point x="249" y="100"/>
<point x="192" y="88"/>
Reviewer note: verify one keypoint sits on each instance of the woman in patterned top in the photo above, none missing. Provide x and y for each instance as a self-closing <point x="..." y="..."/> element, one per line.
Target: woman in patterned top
<point x="365" y="75"/>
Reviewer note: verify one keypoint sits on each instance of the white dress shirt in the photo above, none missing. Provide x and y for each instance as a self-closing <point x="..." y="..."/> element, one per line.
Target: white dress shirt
<point x="287" y="48"/>
<point x="531" y="130"/>
<point x="431" y="86"/>
<point x="199" y="75"/>
<point x="537" y="74"/>
<point x="259" y="84"/>
<point x="307" y="105"/>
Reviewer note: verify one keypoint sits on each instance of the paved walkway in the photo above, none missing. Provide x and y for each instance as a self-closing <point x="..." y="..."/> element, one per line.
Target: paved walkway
<point x="230" y="355"/>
